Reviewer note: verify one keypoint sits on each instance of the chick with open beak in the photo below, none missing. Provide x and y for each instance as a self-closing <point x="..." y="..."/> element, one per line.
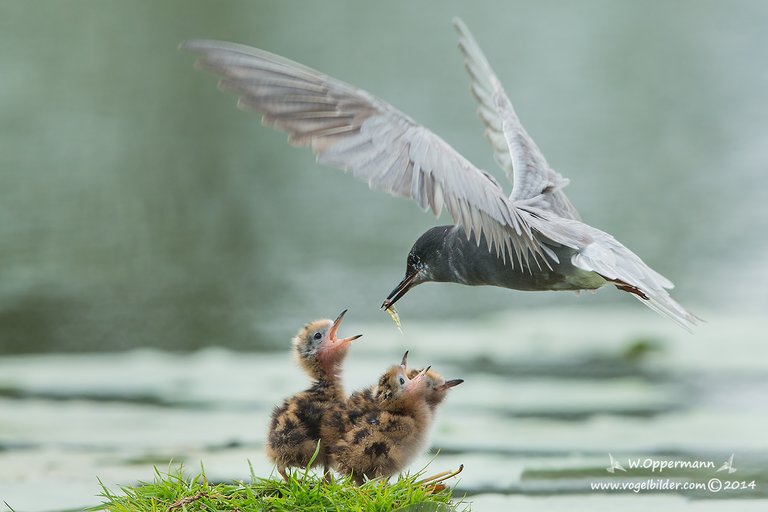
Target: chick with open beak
<point x="314" y="415"/>
<point x="391" y="431"/>
<point x="318" y="350"/>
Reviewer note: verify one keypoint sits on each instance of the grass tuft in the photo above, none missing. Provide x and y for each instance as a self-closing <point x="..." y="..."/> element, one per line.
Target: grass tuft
<point x="175" y="492"/>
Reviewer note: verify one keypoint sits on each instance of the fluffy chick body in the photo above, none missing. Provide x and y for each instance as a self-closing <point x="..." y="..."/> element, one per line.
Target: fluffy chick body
<point x="388" y="431"/>
<point x="316" y="415"/>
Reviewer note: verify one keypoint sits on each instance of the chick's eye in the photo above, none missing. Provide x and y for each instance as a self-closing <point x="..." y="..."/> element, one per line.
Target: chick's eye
<point x="317" y="336"/>
<point x="402" y="381"/>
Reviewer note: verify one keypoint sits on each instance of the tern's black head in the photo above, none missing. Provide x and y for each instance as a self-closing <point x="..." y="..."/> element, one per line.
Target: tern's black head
<point x="426" y="261"/>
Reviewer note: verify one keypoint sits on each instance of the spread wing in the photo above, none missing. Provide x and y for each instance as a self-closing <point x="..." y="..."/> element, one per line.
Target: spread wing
<point x="535" y="183"/>
<point x="537" y="189"/>
<point x="349" y="128"/>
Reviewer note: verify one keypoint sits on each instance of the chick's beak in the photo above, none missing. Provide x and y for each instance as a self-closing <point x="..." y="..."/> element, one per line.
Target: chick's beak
<point x="418" y="378"/>
<point x="406" y="284"/>
<point x="451" y="383"/>
<point x="404" y="362"/>
<point x="335" y="327"/>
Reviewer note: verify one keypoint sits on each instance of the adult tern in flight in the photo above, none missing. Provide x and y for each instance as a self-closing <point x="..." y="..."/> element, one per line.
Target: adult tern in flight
<point x="533" y="239"/>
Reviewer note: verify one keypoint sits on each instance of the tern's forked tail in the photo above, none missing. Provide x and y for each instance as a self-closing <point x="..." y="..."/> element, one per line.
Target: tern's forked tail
<point x="599" y="252"/>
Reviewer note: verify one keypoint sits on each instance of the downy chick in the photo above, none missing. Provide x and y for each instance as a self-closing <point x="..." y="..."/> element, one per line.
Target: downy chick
<point x="361" y="401"/>
<point x="391" y="432"/>
<point x="316" y="414"/>
<point x="365" y="400"/>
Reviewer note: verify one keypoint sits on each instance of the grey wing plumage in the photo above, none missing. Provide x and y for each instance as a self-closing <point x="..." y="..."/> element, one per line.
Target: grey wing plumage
<point x="350" y="129"/>
<point x="538" y="191"/>
<point x="535" y="182"/>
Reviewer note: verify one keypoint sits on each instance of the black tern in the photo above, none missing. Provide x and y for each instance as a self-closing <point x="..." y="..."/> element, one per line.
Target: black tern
<point x="533" y="239"/>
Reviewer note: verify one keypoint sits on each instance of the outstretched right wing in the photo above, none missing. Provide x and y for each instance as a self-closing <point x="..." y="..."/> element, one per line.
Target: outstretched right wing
<point x="535" y="183"/>
<point x="349" y="128"/>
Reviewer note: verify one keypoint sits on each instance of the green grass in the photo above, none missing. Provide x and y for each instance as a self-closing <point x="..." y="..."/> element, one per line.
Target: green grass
<point x="173" y="491"/>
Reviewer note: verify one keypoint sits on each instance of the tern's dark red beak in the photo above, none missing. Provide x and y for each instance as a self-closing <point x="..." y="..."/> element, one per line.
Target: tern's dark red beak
<point x="406" y="284"/>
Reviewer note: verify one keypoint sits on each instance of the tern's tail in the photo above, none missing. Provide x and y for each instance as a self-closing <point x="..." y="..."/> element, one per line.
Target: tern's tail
<point x="659" y="300"/>
<point x="599" y="252"/>
<point x="629" y="273"/>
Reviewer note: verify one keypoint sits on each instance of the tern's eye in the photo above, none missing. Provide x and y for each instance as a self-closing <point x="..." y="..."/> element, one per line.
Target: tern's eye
<point x="317" y="336"/>
<point x="402" y="381"/>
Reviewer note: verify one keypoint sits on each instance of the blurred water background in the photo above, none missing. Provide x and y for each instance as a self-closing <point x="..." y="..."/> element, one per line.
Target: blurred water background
<point x="139" y="209"/>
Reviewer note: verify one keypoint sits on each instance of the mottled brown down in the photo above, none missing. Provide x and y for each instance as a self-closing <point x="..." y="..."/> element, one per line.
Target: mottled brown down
<point x="389" y="431"/>
<point x="315" y="415"/>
